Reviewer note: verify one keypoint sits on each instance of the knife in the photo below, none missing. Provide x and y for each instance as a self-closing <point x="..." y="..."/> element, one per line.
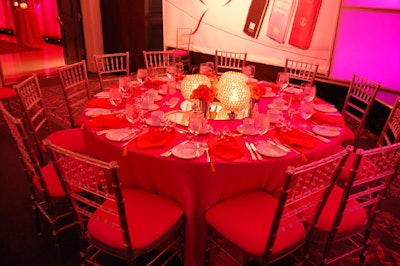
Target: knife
<point x="323" y="139"/>
<point x="253" y="147"/>
<point x="253" y="156"/>
<point x="280" y="146"/>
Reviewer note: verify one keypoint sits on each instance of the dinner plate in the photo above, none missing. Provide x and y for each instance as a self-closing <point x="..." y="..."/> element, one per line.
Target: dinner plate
<point x="326" y="108"/>
<point x="92" y="112"/>
<point x="252" y="132"/>
<point x="292" y="90"/>
<point x="102" y="94"/>
<point x="187" y="151"/>
<point x="282" y="108"/>
<point x="178" y="117"/>
<point x="270" y="150"/>
<point x="326" y="131"/>
<point x="186" y="105"/>
<point x="120" y="134"/>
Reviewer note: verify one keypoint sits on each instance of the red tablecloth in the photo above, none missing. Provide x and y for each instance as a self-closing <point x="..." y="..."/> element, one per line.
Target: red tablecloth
<point x="27" y="30"/>
<point x="192" y="183"/>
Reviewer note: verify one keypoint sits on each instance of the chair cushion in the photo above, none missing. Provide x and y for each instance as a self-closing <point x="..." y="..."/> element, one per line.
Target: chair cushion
<point x="149" y="216"/>
<point x="365" y="164"/>
<point x="348" y="134"/>
<point x="179" y="52"/>
<point x="70" y="139"/>
<point x="246" y="221"/>
<point x="350" y="220"/>
<point x="7" y="93"/>
<point x="52" y="181"/>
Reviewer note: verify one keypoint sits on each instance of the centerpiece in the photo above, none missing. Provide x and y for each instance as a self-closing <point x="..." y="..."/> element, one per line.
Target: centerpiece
<point x="205" y="95"/>
<point x="256" y="92"/>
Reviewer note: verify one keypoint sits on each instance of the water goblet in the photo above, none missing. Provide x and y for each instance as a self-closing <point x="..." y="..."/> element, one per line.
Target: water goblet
<point x="123" y="82"/>
<point x="249" y="71"/>
<point x="309" y="92"/>
<point x="196" y="120"/>
<point x="210" y="67"/>
<point x="133" y="110"/>
<point x="261" y="123"/>
<point x="115" y="95"/>
<point x="282" y="80"/>
<point x="306" y="110"/>
<point x="171" y="71"/>
<point x="142" y="75"/>
<point x="180" y="69"/>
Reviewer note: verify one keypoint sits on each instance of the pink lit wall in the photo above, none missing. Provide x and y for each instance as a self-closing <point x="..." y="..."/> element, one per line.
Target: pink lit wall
<point x="368" y="44"/>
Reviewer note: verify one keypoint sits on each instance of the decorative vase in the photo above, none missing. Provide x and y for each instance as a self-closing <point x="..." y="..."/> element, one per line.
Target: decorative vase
<point x="205" y="108"/>
<point x="253" y="108"/>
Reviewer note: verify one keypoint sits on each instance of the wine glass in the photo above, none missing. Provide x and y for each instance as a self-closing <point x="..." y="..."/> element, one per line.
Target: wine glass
<point x="115" y="95"/>
<point x="142" y="75"/>
<point x="306" y="110"/>
<point x="249" y="71"/>
<point x="309" y="92"/>
<point x="171" y="71"/>
<point x="282" y="80"/>
<point x="261" y="123"/>
<point x="133" y="109"/>
<point x="123" y="82"/>
<point x="195" y="124"/>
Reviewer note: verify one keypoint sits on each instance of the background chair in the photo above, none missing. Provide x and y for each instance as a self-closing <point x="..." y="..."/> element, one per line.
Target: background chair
<point x="390" y="133"/>
<point x="300" y="72"/>
<point x="261" y="226"/>
<point x="184" y="42"/>
<point x="122" y="222"/>
<point x="110" y="65"/>
<point x="47" y="195"/>
<point x="74" y="84"/>
<point x="157" y="61"/>
<point x="229" y="61"/>
<point x="359" y="100"/>
<point x="345" y="224"/>
<point x="34" y="110"/>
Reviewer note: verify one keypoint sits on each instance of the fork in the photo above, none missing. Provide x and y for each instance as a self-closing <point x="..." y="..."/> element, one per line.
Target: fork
<point x="206" y="150"/>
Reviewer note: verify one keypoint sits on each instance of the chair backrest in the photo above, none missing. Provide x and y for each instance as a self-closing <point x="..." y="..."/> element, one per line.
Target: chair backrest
<point x="99" y="182"/>
<point x="300" y="71"/>
<point x="75" y="86"/>
<point x="229" y="61"/>
<point x="158" y="60"/>
<point x="370" y="178"/>
<point x="358" y="102"/>
<point x="305" y="192"/>
<point x="391" y="130"/>
<point x="110" y="65"/>
<point x="27" y="154"/>
<point x="30" y="95"/>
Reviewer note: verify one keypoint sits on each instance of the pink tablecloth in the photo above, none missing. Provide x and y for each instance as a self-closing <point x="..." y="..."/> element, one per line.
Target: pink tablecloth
<point x="193" y="184"/>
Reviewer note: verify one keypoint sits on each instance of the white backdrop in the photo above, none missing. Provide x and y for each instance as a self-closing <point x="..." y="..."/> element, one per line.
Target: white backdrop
<point x="220" y="26"/>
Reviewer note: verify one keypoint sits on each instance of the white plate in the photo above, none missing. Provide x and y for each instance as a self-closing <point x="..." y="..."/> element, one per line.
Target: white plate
<point x="282" y="108"/>
<point x="292" y="90"/>
<point x="326" y="131"/>
<point x="269" y="95"/>
<point x="326" y="108"/>
<point x="187" y="151"/>
<point x="152" y="107"/>
<point x="270" y="150"/>
<point x="178" y="117"/>
<point x="120" y="134"/>
<point x="93" y="112"/>
<point x="186" y="105"/>
<point x="102" y="94"/>
<point x="251" y="133"/>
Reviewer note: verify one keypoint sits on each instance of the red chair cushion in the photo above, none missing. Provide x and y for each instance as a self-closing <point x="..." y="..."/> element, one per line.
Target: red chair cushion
<point x="7" y="93"/>
<point x="246" y="220"/>
<point x="181" y="52"/>
<point x="149" y="216"/>
<point x="365" y="164"/>
<point x="348" y="134"/>
<point x="350" y="220"/>
<point x="70" y="139"/>
<point x="52" y="181"/>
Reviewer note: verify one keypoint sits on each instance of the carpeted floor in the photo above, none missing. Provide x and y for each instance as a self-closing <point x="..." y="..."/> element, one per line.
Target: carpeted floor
<point x="20" y="246"/>
<point x="10" y="47"/>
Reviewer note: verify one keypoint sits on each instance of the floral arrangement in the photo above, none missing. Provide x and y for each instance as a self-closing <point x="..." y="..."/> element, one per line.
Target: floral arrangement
<point x="256" y="91"/>
<point x="205" y="93"/>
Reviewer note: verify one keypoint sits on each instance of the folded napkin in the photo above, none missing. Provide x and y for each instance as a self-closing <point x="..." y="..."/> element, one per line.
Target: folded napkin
<point x="295" y="137"/>
<point x="102" y="103"/>
<point x="228" y="148"/>
<point x="108" y="121"/>
<point x="155" y="138"/>
<point x="328" y="118"/>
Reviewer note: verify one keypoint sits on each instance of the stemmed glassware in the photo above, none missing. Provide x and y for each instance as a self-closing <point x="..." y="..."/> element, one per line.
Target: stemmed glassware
<point x="142" y="75"/>
<point x="115" y="96"/>
<point x="171" y="71"/>
<point x="261" y="123"/>
<point x="180" y="69"/>
<point x="133" y="110"/>
<point x="282" y="80"/>
<point x="306" y="110"/>
<point x="309" y="92"/>
<point x="196" y="120"/>
<point x="124" y="85"/>
<point x="249" y="71"/>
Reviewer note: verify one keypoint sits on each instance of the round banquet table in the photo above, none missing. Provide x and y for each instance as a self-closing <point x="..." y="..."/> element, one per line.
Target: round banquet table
<point x="191" y="182"/>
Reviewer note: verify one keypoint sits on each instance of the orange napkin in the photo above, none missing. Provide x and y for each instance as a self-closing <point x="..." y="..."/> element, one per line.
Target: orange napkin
<point x="108" y="121"/>
<point x="155" y="138"/>
<point x="228" y="148"/>
<point x="295" y="137"/>
<point x="102" y="103"/>
<point x="326" y="118"/>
